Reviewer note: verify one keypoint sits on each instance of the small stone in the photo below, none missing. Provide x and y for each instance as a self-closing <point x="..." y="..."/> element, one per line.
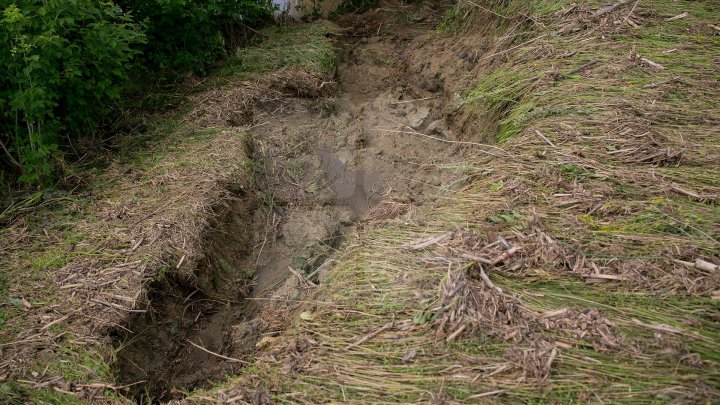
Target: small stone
<point x="360" y="141"/>
<point x="267" y="341"/>
<point x="437" y="127"/>
<point x="417" y="119"/>
<point x="345" y="215"/>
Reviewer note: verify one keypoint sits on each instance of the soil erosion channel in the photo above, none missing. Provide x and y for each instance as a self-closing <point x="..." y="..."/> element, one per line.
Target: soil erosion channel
<point x="321" y="166"/>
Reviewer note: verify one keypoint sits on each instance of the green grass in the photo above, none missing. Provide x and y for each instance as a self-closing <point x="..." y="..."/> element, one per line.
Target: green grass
<point x="16" y="394"/>
<point x="79" y="363"/>
<point x="626" y="216"/>
<point x="641" y="222"/>
<point x="157" y="158"/>
<point x="452" y="20"/>
<point x="503" y="91"/>
<point x="638" y="222"/>
<point x="305" y="47"/>
<point x="375" y="372"/>
<point x="59" y="255"/>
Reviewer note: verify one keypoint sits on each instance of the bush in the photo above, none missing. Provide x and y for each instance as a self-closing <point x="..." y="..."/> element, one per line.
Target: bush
<point x="63" y="63"/>
<point x="190" y="34"/>
<point x="66" y="62"/>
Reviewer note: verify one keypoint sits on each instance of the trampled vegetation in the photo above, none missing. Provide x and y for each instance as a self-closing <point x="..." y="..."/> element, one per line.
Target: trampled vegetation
<point x="541" y="186"/>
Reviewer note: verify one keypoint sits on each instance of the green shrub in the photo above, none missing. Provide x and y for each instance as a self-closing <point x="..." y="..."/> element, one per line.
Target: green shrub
<point x="63" y="62"/>
<point x="190" y="34"/>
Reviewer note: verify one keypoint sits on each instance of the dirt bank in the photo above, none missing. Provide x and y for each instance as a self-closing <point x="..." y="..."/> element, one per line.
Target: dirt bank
<point x="573" y="258"/>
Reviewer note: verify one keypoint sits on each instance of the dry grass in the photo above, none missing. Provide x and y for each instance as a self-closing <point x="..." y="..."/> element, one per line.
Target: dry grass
<point x="618" y="159"/>
<point x="86" y="272"/>
<point x="572" y="271"/>
<point x="232" y="106"/>
<point x="580" y="269"/>
<point x="297" y="61"/>
<point x="75" y="265"/>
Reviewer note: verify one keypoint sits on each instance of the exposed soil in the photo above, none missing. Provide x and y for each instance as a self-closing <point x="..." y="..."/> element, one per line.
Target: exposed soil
<point x="351" y="242"/>
<point x="321" y="166"/>
<point x="159" y="352"/>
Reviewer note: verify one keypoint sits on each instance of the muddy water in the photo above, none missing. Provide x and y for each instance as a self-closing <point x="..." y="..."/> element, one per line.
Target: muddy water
<point x="321" y="166"/>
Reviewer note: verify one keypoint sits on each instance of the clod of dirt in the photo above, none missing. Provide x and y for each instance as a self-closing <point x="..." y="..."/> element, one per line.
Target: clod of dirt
<point x="438" y="127"/>
<point x="432" y="85"/>
<point x="417" y="118"/>
<point x="246" y="335"/>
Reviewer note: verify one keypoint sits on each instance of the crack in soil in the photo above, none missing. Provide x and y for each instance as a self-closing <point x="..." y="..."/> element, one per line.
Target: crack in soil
<point x="320" y="166"/>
